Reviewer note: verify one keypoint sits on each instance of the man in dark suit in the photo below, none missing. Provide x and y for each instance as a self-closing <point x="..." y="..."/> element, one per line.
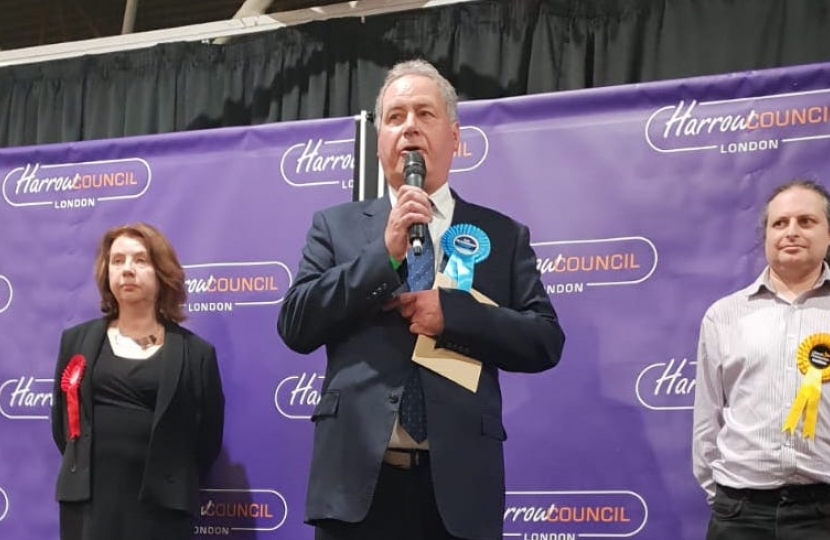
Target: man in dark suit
<point x="401" y="452"/>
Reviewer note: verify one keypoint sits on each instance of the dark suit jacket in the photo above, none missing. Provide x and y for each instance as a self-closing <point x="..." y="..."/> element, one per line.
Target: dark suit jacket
<point x="187" y="423"/>
<point x="343" y="280"/>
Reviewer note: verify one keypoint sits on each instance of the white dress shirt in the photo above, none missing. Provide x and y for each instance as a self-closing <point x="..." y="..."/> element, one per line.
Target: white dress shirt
<point x="747" y="380"/>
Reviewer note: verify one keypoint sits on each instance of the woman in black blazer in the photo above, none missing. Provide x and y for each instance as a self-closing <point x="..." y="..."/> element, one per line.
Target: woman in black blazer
<point x="137" y="408"/>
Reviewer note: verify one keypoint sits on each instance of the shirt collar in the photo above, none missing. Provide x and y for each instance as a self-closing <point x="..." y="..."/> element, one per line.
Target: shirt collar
<point x="763" y="282"/>
<point x="442" y="201"/>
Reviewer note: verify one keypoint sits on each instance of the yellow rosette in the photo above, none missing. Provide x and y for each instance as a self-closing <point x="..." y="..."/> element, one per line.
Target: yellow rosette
<point x="813" y="361"/>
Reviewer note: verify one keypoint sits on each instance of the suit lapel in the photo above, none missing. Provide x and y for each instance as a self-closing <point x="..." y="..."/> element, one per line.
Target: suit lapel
<point x="464" y="212"/>
<point x="377" y="214"/>
<point x="90" y="348"/>
<point x="172" y="361"/>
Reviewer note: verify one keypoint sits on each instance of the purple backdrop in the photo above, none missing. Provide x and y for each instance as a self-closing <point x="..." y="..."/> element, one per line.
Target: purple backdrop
<point x="643" y="204"/>
<point x="236" y="204"/>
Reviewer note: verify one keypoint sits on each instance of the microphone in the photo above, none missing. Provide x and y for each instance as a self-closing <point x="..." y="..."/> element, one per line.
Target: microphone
<point x="414" y="171"/>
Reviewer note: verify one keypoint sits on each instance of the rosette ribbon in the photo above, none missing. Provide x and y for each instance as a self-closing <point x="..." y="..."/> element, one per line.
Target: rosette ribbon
<point x="70" y="382"/>
<point x="813" y="361"/>
<point x="466" y="245"/>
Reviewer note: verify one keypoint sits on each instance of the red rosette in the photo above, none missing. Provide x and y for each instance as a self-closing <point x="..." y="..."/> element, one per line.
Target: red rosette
<point x="70" y="382"/>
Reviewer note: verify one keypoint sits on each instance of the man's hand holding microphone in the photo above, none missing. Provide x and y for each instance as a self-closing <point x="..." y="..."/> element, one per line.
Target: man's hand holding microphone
<point x="407" y="225"/>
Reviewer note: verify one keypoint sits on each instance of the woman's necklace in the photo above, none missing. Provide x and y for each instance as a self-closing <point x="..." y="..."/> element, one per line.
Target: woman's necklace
<point x="145" y="342"/>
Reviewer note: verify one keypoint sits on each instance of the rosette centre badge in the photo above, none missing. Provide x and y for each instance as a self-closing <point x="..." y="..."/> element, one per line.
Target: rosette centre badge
<point x="813" y="361"/>
<point x="466" y="245"/>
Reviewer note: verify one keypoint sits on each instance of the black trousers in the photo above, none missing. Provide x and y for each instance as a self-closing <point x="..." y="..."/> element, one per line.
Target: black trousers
<point x="403" y="508"/>
<point x="788" y="513"/>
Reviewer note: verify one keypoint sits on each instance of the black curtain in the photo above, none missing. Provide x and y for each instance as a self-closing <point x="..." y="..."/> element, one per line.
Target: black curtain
<point x="488" y="49"/>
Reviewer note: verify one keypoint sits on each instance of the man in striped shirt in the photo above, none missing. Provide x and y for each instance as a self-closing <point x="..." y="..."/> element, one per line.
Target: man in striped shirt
<point x="765" y="466"/>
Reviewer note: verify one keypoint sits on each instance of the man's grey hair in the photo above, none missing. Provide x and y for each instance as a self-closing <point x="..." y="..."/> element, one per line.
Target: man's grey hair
<point x="423" y="69"/>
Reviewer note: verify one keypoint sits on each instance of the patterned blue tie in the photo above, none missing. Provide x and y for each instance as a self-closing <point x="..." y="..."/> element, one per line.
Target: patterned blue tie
<point x="413" y="413"/>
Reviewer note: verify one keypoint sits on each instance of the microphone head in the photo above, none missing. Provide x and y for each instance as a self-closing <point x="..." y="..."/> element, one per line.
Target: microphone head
<point x="414" y="164"/>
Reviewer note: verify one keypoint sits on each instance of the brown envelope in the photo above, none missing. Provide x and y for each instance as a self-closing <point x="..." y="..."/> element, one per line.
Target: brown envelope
<point x="458" y="368"/>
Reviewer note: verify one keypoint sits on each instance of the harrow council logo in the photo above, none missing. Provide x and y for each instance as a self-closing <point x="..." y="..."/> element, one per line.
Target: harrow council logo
<point x="26" y="398"/>
<point x="571" y="266"/>
<point x="225" y="286"/>
<point x="667" y="386"/>
<point x="296" y="396"/>
<point x="568" y="515"/>
<point x="6" y="293"/>
<point x="319" y="162"/>
<point x="76" y="185"/>
<point x="473" y="148"/>
<point x="763" y="123"/>
<point x="226" y="511"/>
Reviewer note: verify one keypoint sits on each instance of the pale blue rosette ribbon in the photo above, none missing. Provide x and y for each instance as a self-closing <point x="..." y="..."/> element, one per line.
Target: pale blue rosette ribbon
<point x="466" y="245"/>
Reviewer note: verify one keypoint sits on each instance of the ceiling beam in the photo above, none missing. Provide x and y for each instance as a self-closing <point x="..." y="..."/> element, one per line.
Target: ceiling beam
<point x="128" y="25"/>
<point x="252" y="7"/>
<point x="249" y="8"/>
<point x="213" y="30"/>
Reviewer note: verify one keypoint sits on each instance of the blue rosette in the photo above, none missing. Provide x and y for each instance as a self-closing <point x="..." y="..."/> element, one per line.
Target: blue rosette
<point x="466" y="245"/>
